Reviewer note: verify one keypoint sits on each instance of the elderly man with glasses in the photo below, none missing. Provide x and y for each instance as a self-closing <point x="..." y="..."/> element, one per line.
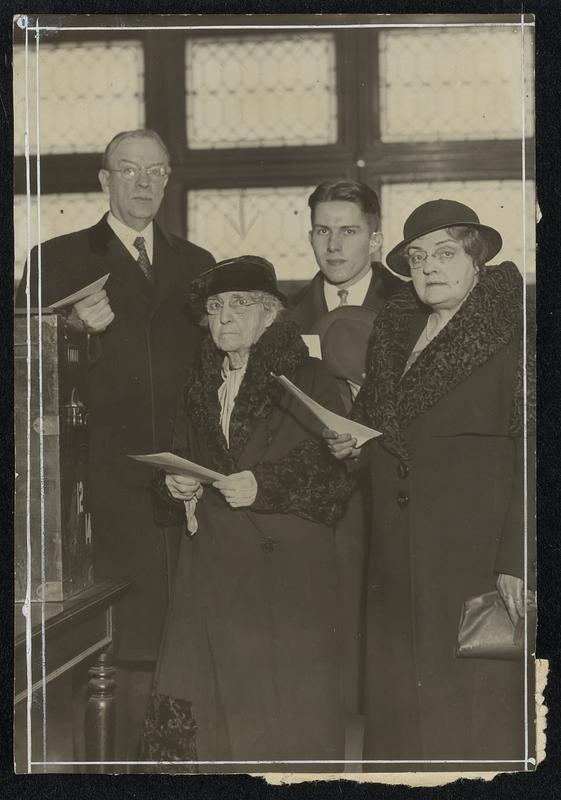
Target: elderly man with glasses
<point x="142" y="343"/>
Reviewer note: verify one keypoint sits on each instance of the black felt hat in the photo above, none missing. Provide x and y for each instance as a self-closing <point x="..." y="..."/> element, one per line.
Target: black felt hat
<point x="434" y="216"/>
<point x="344" y="335"/>
<point x="239" y="274"/>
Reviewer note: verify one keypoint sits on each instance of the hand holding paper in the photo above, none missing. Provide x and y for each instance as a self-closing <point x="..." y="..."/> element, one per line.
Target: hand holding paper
<point x="86" y="291"/>
<point x="332" y="421"/>
<point x="94" y="311"/>
<point x="175" y="465"/>
<point x="183" y="488"/>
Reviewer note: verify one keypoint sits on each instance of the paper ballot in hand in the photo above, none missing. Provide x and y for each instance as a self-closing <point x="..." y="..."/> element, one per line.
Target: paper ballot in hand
<point x="334" y="422"/>
<point x="81" y="294"/>
<point x="176" y="465"/>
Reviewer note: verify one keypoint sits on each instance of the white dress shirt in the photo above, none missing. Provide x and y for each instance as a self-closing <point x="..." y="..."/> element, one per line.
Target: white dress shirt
<point x="127" y="236"/>
<point x="356" y="293"/>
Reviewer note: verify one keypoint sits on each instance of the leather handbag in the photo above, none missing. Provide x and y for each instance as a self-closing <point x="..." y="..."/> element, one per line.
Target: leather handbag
<point x="486" y="631"/>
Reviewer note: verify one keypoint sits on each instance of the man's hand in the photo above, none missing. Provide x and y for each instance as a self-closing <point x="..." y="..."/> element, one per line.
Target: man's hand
<point x="94" y="311"/>
<point x="341" y="445"/>
<point x="239" y="490"/>
<point x="182" y="488"/>
<point x="511" y="590"/>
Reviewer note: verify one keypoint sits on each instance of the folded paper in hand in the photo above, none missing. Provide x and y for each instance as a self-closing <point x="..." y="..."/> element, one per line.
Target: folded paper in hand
<point x="81" y="294"/>
<point x="176" y="465"/>
<point x="334" y="422"/>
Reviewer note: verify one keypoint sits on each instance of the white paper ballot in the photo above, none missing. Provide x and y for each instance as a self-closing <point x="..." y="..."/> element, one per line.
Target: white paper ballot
<point x="313" y="343"/>
<point x="91" y="288"/>
<point x="179" y="466"/>
<point x="334" y="422"/>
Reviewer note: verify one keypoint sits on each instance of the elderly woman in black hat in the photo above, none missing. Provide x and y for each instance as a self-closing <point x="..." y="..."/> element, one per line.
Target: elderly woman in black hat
<point x="249" y="665"/>
<point x="445" y="385"/>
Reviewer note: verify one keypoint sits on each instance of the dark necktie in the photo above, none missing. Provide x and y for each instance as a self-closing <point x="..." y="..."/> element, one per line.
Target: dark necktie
<point x="143" y="261"/>
<point x="343" y="294"/>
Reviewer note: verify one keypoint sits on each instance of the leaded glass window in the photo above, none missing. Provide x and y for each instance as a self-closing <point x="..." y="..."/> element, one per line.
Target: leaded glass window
<point x="497" y="203"/>
<point x="254" y="91"/>
<point x="88" y="92"/>
<point x="60" y="214"/>
<point x="454" y="84"/>
<point x="269" y="222"/>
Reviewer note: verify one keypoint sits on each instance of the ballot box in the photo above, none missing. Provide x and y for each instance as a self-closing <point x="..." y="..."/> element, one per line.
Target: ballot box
<point x="53" y="549"/>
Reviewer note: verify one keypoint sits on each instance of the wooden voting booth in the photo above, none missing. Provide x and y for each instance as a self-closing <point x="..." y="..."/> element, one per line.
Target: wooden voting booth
<point x="63" y="618"/>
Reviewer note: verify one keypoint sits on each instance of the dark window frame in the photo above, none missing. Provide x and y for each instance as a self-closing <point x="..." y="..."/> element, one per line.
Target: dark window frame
<point x="356" y="154"/>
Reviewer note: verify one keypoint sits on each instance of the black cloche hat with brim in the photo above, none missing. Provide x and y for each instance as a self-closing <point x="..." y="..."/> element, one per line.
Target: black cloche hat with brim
<point x="239" y="274"/>
<point x="436" y="215"/>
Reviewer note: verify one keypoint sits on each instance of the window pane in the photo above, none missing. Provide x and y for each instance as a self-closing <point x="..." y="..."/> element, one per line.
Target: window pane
<point x="497" y="203"/>
<point x="454" y="84"/>
<point x="88" y="92"/>
<point x="60" y="213"/>
<point x="272" y="223"/>
<point x="254" y="91"/>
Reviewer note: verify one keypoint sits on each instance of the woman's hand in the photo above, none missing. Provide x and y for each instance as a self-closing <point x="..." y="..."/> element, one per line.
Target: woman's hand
<point x="511" y="590"/>
<point x="239" y="490"/>
<point x="182" y="488"/>
<point x="341" y="445"/>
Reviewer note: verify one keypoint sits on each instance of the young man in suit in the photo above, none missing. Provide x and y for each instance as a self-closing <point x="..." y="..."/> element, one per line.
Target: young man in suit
<point x="345" y="237"/>
<point x="141" y="343"/>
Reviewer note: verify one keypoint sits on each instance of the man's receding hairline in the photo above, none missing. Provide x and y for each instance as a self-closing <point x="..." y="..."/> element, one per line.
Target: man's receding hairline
<point x="131" y="136"/>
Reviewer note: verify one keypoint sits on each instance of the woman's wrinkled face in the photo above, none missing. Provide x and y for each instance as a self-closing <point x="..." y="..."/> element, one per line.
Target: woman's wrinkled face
<point x="236" y="321"/>
<point x="442" y="272"/>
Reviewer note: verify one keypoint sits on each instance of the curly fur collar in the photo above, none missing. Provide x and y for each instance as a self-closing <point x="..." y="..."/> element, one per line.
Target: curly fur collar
<point x="488" y="320"/>
<point x="280" y="350"/>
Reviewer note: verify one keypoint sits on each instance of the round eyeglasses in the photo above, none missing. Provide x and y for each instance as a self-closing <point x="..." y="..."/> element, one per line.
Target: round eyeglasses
<point x="237" y="303"/>
<point x="131" y="172"/>
<point x="418" y="258"/>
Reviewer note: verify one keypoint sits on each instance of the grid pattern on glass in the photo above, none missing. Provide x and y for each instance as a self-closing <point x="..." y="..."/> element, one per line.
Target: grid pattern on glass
<point x="272" y="223"/>
<point x="261" y="91"/>
<point x="88" y="92"/>
<point x="60" y="214"/>
<point x="497" y="203"/>
<point x="454" y="84"/>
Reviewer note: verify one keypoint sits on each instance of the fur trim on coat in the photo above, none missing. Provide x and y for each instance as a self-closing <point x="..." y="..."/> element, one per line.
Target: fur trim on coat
<point x="489" y="319"/>
<point x="307" y="481"/>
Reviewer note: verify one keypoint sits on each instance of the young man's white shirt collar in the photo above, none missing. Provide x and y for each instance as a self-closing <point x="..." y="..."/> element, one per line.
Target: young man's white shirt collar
<point x="356" y="293"/>
<point x="127" y="236"/>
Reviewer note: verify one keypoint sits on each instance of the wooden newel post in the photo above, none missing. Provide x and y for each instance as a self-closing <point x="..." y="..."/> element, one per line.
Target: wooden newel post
<point x="100" y="713"/>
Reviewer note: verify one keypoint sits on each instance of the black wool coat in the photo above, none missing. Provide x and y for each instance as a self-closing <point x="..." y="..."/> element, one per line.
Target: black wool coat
<point x="249" y="667"/>
<point x="307" y="308"/>
<point x="308" y="305"/>
<point x="138" y="367"/>
<point x="447" y="516"/>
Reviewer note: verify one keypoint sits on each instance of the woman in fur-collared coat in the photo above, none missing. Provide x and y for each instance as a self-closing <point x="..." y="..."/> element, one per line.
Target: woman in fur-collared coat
<point x="444" y="385"/>
<point x="249" y="665"/>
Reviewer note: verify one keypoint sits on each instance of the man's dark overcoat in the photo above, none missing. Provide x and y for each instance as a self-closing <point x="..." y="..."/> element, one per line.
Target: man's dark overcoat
<point x="249" y="667"/>
<point x="139" y="365"/>
<point x="308" y="307"/>
<point x="447" y="495"/>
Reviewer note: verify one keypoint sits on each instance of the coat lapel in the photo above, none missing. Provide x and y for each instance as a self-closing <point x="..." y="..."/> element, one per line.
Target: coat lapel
<point x="116" y="259"/>
<point x="167" y="266"/>
<point x="280" y="350"/>
<point x="486" y="322"/>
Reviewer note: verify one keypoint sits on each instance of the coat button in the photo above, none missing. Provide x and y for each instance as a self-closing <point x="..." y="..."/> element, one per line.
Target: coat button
<point x="402" y="469"/>
<point x="402" y="499"/>
<point x="268" y="544"/>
